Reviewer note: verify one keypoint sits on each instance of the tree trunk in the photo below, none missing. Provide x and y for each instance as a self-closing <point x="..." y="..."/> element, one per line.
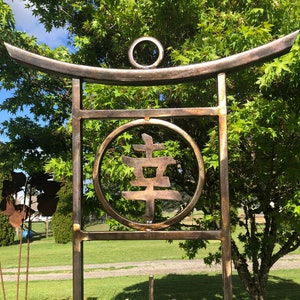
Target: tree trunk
<point x="255" y="284"/>
<point x="256" y="293"/>
<point x="255" y="287"/>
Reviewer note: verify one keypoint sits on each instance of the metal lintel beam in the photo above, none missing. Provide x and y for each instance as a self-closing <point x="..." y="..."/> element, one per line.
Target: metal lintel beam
<point x="161" y="76"/>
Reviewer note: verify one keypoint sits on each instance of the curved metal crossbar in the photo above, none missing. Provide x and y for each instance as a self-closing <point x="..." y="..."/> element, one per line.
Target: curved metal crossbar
<point x="155" y="76"/>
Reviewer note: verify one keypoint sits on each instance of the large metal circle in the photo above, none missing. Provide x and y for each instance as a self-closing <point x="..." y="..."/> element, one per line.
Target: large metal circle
<point x="106" y="205"/>
<point x="141" y="40"/>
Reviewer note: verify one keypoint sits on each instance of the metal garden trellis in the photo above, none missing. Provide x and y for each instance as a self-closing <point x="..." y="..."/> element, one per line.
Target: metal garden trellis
<point x="148" y="76"/>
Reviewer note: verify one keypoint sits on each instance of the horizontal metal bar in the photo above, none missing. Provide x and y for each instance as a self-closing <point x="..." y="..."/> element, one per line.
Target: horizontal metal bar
<point x="148" y="113"/>
<point x="150" y="235"/>
<point x="161" y="76"/>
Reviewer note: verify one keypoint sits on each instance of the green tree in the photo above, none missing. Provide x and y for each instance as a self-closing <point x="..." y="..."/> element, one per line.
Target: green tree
<point x="62" y="218"/>
<point x="263" y="102"/>
<point x="35" y="137"/>
<point x="7" y="233"/>
<point x="264" y="181"/>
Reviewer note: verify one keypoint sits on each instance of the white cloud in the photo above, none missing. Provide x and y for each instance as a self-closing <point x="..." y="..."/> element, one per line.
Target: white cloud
<point x="26" y="22"/>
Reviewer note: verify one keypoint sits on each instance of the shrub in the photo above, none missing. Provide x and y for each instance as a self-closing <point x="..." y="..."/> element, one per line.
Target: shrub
<point x="7" y="232"/>
<point x="62" y="220"/>
<point x="62" y="227"/>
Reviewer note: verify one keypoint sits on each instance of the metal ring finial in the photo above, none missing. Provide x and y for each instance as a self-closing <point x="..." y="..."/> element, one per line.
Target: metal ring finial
<point x="146" y="39"/>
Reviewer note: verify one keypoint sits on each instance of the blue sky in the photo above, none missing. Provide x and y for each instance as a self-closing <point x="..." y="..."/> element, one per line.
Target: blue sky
<point x="26" y="22"/>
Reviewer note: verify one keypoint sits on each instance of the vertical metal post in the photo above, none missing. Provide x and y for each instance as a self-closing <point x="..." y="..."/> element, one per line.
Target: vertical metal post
<point x="224" y="189"/>
<point x="47" y="227"/>
<point x="151" y="287"/>
<point x="77" y="189"/>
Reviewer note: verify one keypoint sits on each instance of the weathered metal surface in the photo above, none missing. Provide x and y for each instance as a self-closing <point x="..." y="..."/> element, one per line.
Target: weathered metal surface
<point x="141" y="40"/>
<point x="148" y="113"/>
<point x="155" y="76"/>
<point x="151" y="287"/>
<point x="160" y="164"/>
<point x="151" y="231"/>
<point x="77" y="191"/>
<point x="148" y="226"/>
<point x="151" y="235"/>
<point x="224" y="189"/>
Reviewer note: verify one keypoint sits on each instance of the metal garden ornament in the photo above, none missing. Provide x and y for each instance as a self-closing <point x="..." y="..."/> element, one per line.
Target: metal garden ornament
<point x="150" y="189"/>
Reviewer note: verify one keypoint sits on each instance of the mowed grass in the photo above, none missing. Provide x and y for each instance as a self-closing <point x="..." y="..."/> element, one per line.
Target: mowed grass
<point x="202" y="286"/>
<point x="45" y="252"/>
<point x="284" y="284"/>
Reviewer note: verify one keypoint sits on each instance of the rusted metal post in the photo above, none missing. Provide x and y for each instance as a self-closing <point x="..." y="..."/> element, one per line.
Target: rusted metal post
<point x="224" y="188"/>
<point x="151" y="287"/>
<point x="77" y="190"/>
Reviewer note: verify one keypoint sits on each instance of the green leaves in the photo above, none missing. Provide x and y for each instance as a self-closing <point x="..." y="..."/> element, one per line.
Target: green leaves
<point x="7" y="21"/>
<point x="293" y="206"/>
<point x="284" y="66"/>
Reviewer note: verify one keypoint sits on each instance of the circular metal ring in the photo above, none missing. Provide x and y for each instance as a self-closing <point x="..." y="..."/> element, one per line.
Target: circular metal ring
<point x="146" y="39"/>
<point x="106" y="205"/>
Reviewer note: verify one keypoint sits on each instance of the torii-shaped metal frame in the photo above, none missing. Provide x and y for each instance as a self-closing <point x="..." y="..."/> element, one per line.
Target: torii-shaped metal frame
<point x="148" y="77"/>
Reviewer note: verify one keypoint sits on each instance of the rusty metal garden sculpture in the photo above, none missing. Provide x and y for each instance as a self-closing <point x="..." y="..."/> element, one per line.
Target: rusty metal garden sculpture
<point x="148" y="76"/>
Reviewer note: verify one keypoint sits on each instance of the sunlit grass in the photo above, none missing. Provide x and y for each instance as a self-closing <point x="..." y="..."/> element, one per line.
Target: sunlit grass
<point x="284" y="284"/>
<point x="46" y="252"/>
<point x="203" y="286"/>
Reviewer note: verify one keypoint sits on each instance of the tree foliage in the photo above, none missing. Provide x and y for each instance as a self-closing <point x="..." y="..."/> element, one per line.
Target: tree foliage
<point x="62" y="227"/>
<point x="38" y="135"/>
<point x="7" y="232"/>
<point x="263" y="102"/>
<point x="62" y="218"/>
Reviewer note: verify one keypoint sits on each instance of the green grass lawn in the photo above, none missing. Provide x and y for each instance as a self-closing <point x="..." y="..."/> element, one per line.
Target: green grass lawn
<point x="180" y="287"/>
<point x="284" y="284"/>
<point x="46" y="252"/>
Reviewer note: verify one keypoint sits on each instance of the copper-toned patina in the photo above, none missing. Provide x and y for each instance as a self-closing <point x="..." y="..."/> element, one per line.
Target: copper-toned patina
<point x="158" y="181"/>
<point x="146" y="76"/>
<point x="160" y="164"/>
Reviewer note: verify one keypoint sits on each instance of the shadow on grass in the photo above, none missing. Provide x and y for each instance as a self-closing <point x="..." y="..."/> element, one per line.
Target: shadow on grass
<point x="204" y="287"/>
<point x="36" y="237"/>
<point x="33" y="239"/>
